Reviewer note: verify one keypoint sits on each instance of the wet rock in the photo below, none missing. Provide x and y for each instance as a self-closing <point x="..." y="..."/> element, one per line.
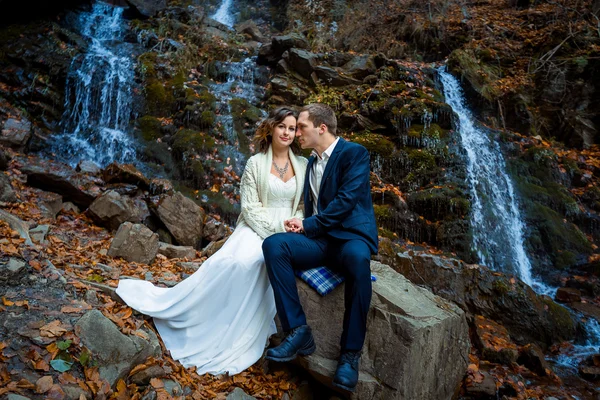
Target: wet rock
<point x="82" y="189"/>
<point x="50" y="204"/>
<point x="283" y="87"/>
<point x="135" y="243"/>
<point x="589" y="368"/>
<point x="39" y="233"/>
<point x="214" y="230"/>
<point x="493" y="341"/>
<point x="148" y="8"/>
<point x="293" y="40"/>
<point x="331" y="77"/>
<point x="183" y="218"/>
<point x="143" y="377"/>
<point x="111" y="210"/>
<point x="432" y="333"/>
<point x="266" y="55"/>
<point x="170" y="251"/>
<point x="239" y="394"/>
<point x="18" y="225"/>
<point x="360" y="67"/>
<point x="88" y="167"/>
<point x="588" y="309"/>
<point x="533" y="358"/>
<point x="15" y="133"/>
<point x="115" y="353"/>
<point x="249" y="28"/>
<point x="567" y="295"/>
<point x="528" y="317"/>
<point x="7" y="194"/>
<point x="161" y="186"/>
<point x="302" y="61"/>
<point x="125" y="173"/>
<point x="484" y="390"/>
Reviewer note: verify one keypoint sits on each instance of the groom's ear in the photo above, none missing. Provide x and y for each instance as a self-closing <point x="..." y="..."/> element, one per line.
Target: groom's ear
<point x="322" y="129"/>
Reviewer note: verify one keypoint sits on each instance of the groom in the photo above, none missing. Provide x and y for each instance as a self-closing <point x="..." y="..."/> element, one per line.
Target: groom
<point x="338" y="231"/>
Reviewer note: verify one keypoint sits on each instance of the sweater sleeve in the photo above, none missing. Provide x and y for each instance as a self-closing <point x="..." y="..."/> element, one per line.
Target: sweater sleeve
<point x="255" y="215"/>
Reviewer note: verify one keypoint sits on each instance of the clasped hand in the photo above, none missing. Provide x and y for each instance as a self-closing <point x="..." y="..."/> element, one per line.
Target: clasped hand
<point x="293" y="225"/>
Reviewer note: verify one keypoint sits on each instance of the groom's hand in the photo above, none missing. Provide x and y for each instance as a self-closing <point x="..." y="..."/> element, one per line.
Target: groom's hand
<point x="294" y="225"/>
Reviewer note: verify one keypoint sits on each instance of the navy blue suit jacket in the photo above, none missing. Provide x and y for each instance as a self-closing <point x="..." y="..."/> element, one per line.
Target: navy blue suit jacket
<point x="345" y="204"/>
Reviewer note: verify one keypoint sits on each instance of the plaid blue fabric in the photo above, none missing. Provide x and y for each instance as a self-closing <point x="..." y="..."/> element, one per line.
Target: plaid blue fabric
<point x="322" y="279"/>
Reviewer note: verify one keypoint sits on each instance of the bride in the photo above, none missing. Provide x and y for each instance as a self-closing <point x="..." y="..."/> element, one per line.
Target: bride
<point x="220" y="318"/>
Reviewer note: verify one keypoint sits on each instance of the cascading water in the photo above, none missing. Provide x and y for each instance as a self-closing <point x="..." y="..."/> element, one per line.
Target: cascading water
<point x="495" y="220"/>
<point x="223" y="14"/>
<point x="98" y="98"/>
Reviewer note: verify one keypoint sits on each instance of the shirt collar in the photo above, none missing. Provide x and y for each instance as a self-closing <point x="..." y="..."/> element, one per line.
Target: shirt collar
<point x="327" y="153"/>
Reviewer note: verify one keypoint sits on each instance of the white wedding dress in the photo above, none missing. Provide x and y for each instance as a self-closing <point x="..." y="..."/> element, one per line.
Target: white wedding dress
<point x="220" y="318"/>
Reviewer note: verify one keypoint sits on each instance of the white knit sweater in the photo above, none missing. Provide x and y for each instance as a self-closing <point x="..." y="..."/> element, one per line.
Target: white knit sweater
<point x="254" y="192"/>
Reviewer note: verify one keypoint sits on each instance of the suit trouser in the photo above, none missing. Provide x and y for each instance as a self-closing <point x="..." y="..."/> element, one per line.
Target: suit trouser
<point x="285" y="252"/>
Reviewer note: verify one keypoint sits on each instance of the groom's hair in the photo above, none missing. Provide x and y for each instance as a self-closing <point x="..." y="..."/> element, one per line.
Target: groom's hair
<point x="319" y="113"/>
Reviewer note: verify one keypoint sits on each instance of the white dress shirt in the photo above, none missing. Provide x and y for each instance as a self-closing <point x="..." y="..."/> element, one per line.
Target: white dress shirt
<point x="316" y="175"/>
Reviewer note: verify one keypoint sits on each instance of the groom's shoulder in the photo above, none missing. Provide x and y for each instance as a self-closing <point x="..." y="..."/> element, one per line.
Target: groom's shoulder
<point x="354" y="147"/>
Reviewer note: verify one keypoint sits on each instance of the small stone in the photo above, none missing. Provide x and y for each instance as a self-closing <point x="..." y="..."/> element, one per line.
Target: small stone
<point x="568" y="295"/>
<point x="91" y="297"/>
<point x="172" y="387"/>
<point x="7" y="194"/>
<point x="239" y="394"/>
<point x="135" y="243"/>
<point x="70" y="207"/>
<point x="533" y="358"/>
<point x="148" y="276"/>
<point x="15" y="265"/>
<point x="171" y="251"/>
<point x="494" y="341"/>
<point x="50" y="204"/>
<point x="39" y="233"/>
<point x="485" y="389"/>
<point x="88" y="167"/>
<point x="13" y="396"/>
<point x="143" y="377"/>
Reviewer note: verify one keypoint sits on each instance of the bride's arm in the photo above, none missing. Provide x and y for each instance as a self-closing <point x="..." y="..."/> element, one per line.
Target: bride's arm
<point x="255" y="215"/>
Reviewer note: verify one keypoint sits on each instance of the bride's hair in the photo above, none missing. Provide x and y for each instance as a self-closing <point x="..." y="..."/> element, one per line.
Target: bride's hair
<point x="264" y="133"/>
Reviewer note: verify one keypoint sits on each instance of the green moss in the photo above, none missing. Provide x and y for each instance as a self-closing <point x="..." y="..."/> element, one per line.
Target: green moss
<point x="480" y="75"/>
<point x="327" y="95"/>
<point x="187" y="140"/>
<point x="207" y="119"/>
<point x="565" y="259"/>
<point x="382" y="211"/>
<point x="146" y="63"/>
<point x="149" y="127"/>
<point x="559" y="315"/>
<point x="157" y="99"/>
<point x="242" y="109"/>
<point x="500" y="286"/>
<point x="375" y="143"/>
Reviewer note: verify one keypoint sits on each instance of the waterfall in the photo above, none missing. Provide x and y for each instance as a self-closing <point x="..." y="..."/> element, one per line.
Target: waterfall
<point x="239" y="85"/>
<point x="98" y="98"/>
<point x="223" y="14"/>
<point x="495" y="218"/>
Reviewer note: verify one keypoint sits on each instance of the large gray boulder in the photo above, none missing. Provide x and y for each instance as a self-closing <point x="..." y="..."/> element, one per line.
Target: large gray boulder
<point x="302" y="61"/>
<point x="417" y="344"/>
<point x="7" y="194"/>
<point x="528" y="317"/>
<point x="135" y="243"/>
<point x="183" y="218"/>
<point x="15" y="132"/>
<point x="115" y="353"/>
<point x="111" y="210"/>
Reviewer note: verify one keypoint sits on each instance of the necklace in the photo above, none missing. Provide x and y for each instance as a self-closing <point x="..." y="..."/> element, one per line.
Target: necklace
<point x="281" y="171"/>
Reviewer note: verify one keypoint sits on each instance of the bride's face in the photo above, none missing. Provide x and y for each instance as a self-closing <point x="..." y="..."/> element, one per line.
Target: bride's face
<point x="284" y="132"/>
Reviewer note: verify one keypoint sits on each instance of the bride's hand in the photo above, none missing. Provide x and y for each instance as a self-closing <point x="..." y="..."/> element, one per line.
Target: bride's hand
<point x="294" y="225"/>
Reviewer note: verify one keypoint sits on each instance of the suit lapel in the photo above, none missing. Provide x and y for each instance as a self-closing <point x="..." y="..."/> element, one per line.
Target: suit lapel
<point x="307" y="196"/>
<point x="330" y="164"/>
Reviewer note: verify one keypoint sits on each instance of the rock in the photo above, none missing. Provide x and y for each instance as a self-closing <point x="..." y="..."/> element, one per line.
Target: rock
<point x="80" y="188"/>
<point x="212" y="248"/>
<point x="15" y="133"/>
<point x="39" y="233"/>
<point x="285" y="42"/>
<point x="170" y="251"/>
<point x="18" y="225"/>
<point x="125" y="173"/>
<point x="183" y="218"/>
<point x="283" y="87"/>
<point x="532" y="356"/>
<point x="172" y="387"/>
<point x="486" y="389"/>
<point x="589" y="368"/>
<point x="302" y="61"/>
<point x="567" y="295"/>
<point x="108" y="290"/>
<point x="588" y="309"/>
<point x="148" y="8"/>
<point x="360" y="67"/>
<point x="7" y="194"/>
<point x="115" y="353"/>
<point x="70" y="207"/>
<point x="331" y="77"/>
<point x="190" y="266"/>
<point x="417" y="344"/>
<point x="13" y="272"/>
<point x="88" y="167"/>
<point x="161" y="186"/>
<point x="73" y="392"/>
<point x="13" y="396"/>
<point x="135" y="243"/>
<point x="124" y="189"/>
<point x="528" y="317"/>
<point x="239" y="394"/>
<point x="493" y="341"/>
<point x="50" y="204"/>
<point x="4" y="159"/>
<point x="266" y="55"/>
<point x="111" y="210"/>
<point x="143" y="377"/>
<point x="249" y="28"/>
<point x="214" y="230"/>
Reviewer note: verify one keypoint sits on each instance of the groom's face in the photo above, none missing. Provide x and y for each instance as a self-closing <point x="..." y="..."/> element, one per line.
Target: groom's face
<point x="307" y="133"/>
